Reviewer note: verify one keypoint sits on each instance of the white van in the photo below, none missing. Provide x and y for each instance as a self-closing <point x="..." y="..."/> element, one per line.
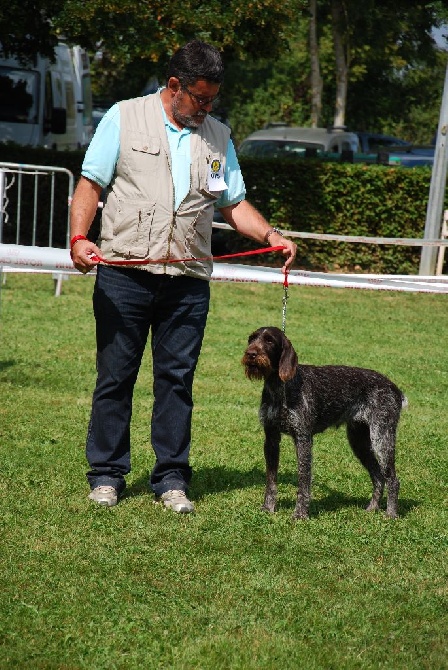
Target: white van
<point x="282" y="140"/>
<point x="39" y="103"/>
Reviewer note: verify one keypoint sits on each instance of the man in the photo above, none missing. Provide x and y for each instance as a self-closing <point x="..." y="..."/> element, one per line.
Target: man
<point x="165" y="164"/>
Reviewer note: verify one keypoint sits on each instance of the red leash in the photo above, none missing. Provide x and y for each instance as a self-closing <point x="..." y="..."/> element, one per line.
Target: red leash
<point x="147" y="261"/>
<point x="264" y="250"/>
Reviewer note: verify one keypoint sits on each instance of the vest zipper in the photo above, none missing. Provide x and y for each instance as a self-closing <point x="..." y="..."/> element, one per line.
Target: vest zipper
<point x="173" y="222"/>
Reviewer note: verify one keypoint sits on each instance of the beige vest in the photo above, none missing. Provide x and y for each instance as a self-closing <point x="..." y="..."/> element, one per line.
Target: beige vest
<point x="138" y="219"/>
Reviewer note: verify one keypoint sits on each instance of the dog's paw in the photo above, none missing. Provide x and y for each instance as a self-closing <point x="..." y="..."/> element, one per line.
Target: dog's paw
<point x="300" y="515"/>
<point x="392" y="514"/>
<point x="372" y="507"/>
<point x="270" y="509"/>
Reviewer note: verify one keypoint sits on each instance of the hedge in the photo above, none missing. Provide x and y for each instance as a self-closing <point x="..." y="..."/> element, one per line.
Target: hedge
<point x="302" y="195"/>
<point x="343" y="199"/>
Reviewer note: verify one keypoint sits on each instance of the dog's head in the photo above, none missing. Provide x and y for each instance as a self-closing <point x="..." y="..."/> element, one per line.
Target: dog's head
<point x="269" y="352"/>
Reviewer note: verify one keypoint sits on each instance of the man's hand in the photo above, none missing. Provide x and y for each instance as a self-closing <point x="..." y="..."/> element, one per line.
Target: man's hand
<point x="84" y="205"/>
<point x="248" y="221"/>
<point x="82" y="254"/>
<point x="289" y="251"/>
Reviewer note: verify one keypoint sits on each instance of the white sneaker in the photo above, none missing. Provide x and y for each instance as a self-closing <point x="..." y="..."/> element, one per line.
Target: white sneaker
<point x="177" y="501"/>
<point x="104" y="495"/>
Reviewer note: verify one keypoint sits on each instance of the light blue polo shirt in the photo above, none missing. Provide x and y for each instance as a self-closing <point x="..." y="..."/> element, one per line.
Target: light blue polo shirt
<point x="104" y="149"/>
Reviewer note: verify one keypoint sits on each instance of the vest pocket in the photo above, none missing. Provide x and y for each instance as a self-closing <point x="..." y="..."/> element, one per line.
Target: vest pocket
<point x="132" y="228"/>
<point x="213" y="195"/>
<point x="143" y="154"/>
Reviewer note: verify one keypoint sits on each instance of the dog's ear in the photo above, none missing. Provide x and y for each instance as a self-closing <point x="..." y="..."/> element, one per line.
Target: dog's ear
<point x="288" y="360"/>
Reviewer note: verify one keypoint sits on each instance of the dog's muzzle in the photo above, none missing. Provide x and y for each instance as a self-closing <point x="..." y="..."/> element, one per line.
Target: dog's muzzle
<point x="256" y="365"/>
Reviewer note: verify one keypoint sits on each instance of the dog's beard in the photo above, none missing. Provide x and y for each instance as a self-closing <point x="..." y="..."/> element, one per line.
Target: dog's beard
<point x="257" y="368"/>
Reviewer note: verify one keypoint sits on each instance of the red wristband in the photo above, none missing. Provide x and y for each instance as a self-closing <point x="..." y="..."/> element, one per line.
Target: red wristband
<point x="73" y="242"/>
<point x="75" y="239"/>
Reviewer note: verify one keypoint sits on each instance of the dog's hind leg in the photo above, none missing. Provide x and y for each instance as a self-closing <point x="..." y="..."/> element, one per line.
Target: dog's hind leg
<point x="272" y="456"/>
<point x="393" y="488"/>
<point x="358" y="435"/>
<point x="383" y="444"/>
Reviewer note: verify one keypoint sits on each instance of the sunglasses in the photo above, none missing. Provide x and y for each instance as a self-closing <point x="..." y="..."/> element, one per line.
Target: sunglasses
<point x="202" y="102"/>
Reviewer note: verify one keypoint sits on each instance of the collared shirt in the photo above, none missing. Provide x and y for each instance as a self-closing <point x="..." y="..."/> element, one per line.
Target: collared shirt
<point x="104" y="149"/>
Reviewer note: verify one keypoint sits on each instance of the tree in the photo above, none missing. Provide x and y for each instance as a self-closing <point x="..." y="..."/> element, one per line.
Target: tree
<point x="389" y="35"/>
<point x="342" y="60"/>
<point x="389" y="61"/>
<point x="315" y="78"/>
<point x="305" y="62"/>
<point x="136" y="38"/>
<point x="153" y="30"/>
<point x="26" y="28"/>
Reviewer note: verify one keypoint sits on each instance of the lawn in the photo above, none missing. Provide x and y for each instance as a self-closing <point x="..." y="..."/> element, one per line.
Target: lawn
<point x="135" y="586"/>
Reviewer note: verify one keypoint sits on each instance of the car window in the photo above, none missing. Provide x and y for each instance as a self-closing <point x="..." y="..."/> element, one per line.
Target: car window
<point x="273" y="148"/>
<point x="376" y="143"/>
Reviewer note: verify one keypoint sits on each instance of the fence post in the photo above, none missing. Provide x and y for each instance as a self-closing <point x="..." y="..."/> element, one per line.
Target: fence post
<point x="434" y="210"/>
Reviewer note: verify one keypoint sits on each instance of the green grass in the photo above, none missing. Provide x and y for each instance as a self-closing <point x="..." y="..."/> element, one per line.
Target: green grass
<point x="135" y="586"/>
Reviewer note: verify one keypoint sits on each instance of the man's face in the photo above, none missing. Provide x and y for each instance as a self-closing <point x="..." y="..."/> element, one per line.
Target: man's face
<point x="191" y="104"/>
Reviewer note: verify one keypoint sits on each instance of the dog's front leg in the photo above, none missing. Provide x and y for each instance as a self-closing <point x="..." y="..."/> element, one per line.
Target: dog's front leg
<point x="303" y="449"/>
<point x="272" y="456"/>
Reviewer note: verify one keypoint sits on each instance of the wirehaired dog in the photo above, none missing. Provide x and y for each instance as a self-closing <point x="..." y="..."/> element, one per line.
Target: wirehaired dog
<point x="302" y="400"/>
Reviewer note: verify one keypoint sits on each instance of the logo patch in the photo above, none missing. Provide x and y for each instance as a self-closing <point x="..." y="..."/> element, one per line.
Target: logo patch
<point x="215" y="179"/>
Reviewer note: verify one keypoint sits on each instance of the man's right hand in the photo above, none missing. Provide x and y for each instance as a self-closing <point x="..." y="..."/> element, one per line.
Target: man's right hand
<point x="82" y="211"/>
<point x="83" y="253"/>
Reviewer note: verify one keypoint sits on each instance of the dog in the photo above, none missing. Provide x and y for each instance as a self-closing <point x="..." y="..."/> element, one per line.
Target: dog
<point x="302" y="400"/>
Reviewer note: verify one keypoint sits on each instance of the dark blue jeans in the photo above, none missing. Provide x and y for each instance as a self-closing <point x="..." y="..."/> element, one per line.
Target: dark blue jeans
<point x="128" y="304"/>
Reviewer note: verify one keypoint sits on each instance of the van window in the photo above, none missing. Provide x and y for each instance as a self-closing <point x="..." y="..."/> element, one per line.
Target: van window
<point x="87" y="99"/>
<point x="70" y="100"/>
<point x="19" y="95"/>
<point x="56" y="89"/>
<point x="48" y="103"/>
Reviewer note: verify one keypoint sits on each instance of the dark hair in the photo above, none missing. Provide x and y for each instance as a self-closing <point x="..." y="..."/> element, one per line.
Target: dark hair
<point x="196" y="60"/>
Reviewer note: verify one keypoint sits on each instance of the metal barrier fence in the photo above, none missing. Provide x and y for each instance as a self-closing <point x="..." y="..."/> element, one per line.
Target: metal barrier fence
<point x="30" y="207"/>
<point x="28" y="194"/>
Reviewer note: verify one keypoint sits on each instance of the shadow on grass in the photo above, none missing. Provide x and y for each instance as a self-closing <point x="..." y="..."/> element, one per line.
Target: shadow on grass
<point x="336" y="500"/>
<point x="217" y="479"/>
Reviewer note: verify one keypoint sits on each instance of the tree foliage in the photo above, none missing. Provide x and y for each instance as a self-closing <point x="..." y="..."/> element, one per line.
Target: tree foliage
<point x="136" y="38"/>
<point x="151" y="29"/>
<point x="393" y="71"/>
<point x="377" y="35"/>
<point x="388" y="47"/>
<point x="26" y="28"/>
